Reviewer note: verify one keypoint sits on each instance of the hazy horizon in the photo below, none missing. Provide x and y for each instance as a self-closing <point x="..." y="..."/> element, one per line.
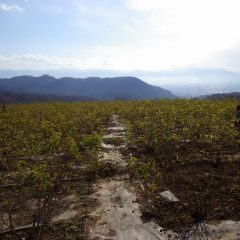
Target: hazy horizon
<point x="185" y="83"/>
<point x="121" y="36"/>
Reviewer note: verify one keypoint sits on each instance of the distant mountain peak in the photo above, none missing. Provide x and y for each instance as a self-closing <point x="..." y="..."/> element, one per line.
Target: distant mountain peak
<point x="93" y="87"/>
<point x="46" y="75"/>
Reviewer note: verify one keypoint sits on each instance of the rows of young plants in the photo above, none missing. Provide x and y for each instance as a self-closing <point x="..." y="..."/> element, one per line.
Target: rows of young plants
<point x="43" y="148"/>
<point x="49" y="151"/>
<point x="190" y="147"/>
<point x="184" y="130"/>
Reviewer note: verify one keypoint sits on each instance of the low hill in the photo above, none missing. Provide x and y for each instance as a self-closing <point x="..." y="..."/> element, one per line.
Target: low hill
<point x="93" y="87"/>
<point x="221" y="96"/>
<point x="7" y="97"/>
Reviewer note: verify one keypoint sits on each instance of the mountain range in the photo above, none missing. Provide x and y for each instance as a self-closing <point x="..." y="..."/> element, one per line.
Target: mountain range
<point x="92" y="87"/>
<point x="223" y="96"/>
<point x="191" y="82"/>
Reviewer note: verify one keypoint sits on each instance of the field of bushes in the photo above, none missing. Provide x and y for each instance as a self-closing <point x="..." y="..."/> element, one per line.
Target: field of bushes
<point x="50" y="151"/>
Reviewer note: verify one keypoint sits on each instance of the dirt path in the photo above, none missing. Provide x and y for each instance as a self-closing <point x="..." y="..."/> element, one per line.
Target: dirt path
<point x="117" y="215"/>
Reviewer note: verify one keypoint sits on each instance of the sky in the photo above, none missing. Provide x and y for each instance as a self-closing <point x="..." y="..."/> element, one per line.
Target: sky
<point x="125" y="35"/>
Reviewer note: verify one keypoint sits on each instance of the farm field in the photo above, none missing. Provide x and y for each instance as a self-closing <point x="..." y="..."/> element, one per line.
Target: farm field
<point x="50" y="165"/>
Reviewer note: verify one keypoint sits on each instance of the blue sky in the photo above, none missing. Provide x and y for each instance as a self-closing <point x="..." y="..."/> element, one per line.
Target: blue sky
<point x="122" y="35"/>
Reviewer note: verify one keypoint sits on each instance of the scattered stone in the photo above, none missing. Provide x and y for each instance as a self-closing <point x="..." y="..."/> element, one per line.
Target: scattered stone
<point x="110" y="146"/>
<point x="117" y="128"/>
<point x="114" y="157"/>
<point x="169" y="196"/>
<point x="141" y="185"/>
<point x="115" y="135"/>
<point x="68" y="214"/>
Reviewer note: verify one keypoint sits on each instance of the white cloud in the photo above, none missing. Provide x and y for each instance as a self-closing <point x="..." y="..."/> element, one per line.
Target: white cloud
<point x="37" y="61"/>
<point x="187" y="32"/>
<point x="147" y="35"/>
<point x="141" y="5"/>
<point x="228" y="58"/>
<point x="6" y="7"/>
